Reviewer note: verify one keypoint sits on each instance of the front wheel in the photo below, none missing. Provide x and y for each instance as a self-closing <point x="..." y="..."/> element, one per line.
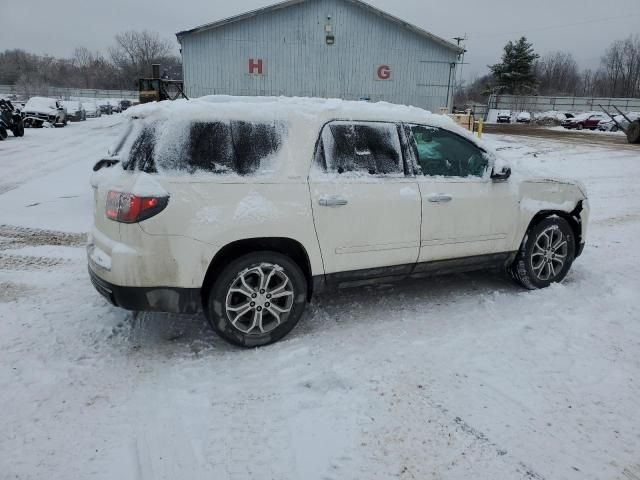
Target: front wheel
<point x="546" y="254"/>
<point x="580" y="126"/>
<point x="257" y="299"/>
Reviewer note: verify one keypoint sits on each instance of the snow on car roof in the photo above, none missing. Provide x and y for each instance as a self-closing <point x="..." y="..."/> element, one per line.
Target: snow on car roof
<point x="41" y="102"/>
<point x="313" y="111"/>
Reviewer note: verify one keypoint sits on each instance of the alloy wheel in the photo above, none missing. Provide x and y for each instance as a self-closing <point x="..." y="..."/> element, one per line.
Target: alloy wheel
<point x="549" y="254"/>
<point x="259" y="299"/>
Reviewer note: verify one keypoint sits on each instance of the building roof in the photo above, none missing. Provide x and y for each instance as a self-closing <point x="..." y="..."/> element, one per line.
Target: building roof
<point x="290" y="3"/>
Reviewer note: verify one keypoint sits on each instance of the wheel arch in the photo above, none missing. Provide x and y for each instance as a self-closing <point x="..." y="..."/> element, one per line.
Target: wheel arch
<point x="286" y="246"/>
<point x="572" y="218"/>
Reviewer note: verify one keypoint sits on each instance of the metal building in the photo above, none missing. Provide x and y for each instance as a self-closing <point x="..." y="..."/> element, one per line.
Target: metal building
<point x="320" y="48"/>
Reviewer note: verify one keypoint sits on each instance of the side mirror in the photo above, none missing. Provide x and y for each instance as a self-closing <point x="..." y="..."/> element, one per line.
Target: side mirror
<point x="503" y="174"/>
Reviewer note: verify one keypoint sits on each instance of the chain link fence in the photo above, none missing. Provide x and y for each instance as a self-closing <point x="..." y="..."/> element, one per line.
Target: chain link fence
<point x="560" y="104"/>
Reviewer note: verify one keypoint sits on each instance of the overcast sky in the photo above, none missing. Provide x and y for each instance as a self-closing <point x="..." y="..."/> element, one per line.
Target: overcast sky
<point x="582" y="27"/>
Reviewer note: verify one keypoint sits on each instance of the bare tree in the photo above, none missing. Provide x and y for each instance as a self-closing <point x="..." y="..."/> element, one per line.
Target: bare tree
<point x="557" y="74"/>
<point x="134" y="52"/>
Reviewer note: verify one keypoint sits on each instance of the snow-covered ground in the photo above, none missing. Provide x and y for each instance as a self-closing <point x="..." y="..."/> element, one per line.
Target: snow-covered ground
<point x="460" y="377"/>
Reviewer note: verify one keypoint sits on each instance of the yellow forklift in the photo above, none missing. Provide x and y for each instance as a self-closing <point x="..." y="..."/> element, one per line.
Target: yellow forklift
<point x="156" y="88"/>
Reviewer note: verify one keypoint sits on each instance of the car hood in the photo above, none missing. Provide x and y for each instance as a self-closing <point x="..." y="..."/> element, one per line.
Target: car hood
<point x="559" y="181"/>
<point x="46" y="111"/>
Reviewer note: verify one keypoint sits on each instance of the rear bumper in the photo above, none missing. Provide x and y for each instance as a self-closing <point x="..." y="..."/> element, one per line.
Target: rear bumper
<point x="149" y="299"/>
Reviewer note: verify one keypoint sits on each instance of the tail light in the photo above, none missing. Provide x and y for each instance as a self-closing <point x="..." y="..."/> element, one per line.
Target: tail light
<point x="128" y="208"/>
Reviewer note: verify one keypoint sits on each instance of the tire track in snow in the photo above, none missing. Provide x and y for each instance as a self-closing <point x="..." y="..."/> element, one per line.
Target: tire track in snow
<point x="28" y="262"/>
<point x="12" y="238"/>
<point x="24" y="236"/>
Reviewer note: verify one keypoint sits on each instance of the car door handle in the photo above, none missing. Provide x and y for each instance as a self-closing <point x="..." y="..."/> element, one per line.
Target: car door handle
<point x="440" y="198"/>
<point x="333" y="201"/>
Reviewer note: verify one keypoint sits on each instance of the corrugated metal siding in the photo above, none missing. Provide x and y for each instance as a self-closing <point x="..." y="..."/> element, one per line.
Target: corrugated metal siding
<point x="298" y="62"/>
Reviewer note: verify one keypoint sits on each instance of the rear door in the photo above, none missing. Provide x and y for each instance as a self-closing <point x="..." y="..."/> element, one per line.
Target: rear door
<point x="366" y="208"/>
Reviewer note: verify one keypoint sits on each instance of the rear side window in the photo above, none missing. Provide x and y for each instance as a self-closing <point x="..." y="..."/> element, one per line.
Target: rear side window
<point x="209" y="148"/>
<point x="360" y="147"/>
<point x="216" y="147"/>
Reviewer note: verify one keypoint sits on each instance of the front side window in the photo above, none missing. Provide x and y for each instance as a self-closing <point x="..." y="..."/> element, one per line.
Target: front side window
<point x="440" y="153"/>
<point x="361" y="148"/>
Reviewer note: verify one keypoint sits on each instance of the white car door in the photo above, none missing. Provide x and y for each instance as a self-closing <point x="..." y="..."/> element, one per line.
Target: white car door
<point x="464" y="212"/>
<point x="366" y="209"/>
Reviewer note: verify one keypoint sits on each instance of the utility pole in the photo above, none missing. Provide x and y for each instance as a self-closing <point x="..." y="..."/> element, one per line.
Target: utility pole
<point x="459" y="40"/>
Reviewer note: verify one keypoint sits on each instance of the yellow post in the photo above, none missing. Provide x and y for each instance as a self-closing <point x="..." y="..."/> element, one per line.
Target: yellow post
<point x="480" y="127"/>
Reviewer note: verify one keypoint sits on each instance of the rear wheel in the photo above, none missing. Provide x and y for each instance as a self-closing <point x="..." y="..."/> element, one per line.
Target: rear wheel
<point x="257" y="299"/>
<point x="3" y="133"/>
<point x="546" y="254"/>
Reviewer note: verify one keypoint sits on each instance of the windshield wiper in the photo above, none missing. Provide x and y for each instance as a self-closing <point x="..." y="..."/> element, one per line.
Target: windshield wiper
<point x="105" y="162"/>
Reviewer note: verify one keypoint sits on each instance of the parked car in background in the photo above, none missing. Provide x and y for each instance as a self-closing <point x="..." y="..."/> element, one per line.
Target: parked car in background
<point x="75" y="110"/>
<point x="248" y="209"/>
<point x="115" y="106"/>
<point x="124" y="104"/>
<point x="504" y="116"/>
<point x="105" y="107"/>
<point x="91" y="109"/>
<point x="40" y="110"/>
<point x="608" y="125"/>
<point x="588" y="121"/>
<point x="523" y="117"/>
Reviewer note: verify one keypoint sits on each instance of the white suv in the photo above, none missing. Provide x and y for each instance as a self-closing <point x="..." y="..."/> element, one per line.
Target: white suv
<point x="245" y="207"/>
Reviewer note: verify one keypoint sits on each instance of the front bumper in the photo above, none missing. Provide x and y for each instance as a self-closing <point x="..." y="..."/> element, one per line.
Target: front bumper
<point x="149" y="299"/>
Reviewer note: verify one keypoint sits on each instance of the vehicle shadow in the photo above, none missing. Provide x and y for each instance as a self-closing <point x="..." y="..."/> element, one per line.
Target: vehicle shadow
<point x="191" y="335"/>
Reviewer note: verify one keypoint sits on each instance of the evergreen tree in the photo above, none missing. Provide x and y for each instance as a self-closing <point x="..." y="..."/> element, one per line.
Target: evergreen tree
<point x="516" y="74"/>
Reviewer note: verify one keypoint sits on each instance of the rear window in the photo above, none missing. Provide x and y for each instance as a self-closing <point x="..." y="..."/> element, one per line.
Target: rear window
<point x="217" y="147"/>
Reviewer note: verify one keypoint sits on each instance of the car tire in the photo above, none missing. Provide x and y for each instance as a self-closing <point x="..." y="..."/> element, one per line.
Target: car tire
<point x="633" y="132"/>
<point x="546" y="254"/>
<point x="257" y="299"/>
<point x="18" y="131"/>
<point x="614" y="129"/>
<point x="3" y="133"/>
<point x="580" y="126"/>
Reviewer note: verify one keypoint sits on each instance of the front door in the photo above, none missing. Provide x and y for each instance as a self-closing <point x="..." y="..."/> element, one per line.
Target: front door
<point x="366" y="209"/>
<point x="464" y="212"/>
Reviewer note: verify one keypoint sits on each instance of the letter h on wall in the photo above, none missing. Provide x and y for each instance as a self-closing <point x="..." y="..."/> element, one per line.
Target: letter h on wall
<point x="256" y="66"/>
